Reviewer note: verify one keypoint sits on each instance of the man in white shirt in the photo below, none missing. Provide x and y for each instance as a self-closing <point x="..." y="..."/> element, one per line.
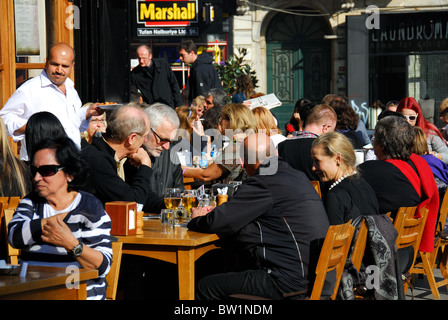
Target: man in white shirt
<point x="51" y="91"/>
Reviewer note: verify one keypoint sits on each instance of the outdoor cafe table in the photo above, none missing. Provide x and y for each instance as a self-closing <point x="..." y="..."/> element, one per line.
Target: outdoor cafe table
<point x="182" y="247"/>
<point x="46" y="283"/>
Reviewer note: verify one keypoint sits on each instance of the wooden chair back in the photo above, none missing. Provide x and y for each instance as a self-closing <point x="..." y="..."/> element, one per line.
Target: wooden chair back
<point x="428" y="259"/>
<point x="316" y="186"/>
<point x="4" y="201"/>
<point x="188" y="182"/>
<point x="114" y="272"/>
<point x="360" y="246"/>
<point x="13" y="253"/>
<point x="333" y="256"/>
<point x="13" y="202"/>
<point x="410" y="228"/>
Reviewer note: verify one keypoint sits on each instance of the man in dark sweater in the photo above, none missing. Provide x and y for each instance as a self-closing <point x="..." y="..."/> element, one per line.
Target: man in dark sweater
<point x="297" y="151"/>
<point x="127" y="128"/>
<point x="203" y="75"/>
<point x="278" y="221"/>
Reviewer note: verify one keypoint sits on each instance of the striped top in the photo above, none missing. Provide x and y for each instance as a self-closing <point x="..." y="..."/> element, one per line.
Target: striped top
<point x="86" y="219"/>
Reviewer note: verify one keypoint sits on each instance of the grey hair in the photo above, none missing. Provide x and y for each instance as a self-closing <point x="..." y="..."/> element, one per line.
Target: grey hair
<point x="121" y="123"/>
<point x="395" y="136"/>
<point x="158" y="112"/>
<point x="220" y="98"/>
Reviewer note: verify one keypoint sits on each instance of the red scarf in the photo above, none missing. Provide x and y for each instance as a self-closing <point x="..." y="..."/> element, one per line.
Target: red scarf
<point x="423" y="181"/>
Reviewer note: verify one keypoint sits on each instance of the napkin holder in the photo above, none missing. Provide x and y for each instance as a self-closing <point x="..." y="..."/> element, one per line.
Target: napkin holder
<point x="123" y="216"/>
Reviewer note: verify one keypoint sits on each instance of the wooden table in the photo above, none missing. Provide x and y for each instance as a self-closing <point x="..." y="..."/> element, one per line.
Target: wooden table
<point x="45" y="283"/>
<point x="181" y="247"/>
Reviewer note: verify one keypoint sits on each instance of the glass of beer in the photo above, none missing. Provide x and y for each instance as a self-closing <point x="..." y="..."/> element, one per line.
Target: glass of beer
<point x="172" y="198"/>
<point x="190" y="200"/>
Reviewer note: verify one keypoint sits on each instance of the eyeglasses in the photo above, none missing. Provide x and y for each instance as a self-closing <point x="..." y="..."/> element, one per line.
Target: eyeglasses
<point x="46" y="170"/>
<point x="161" y="140"/>
<point x="411" y="118"/>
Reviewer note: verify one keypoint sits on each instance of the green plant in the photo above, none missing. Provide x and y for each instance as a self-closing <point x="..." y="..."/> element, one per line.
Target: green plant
<point x="230" y="69"/>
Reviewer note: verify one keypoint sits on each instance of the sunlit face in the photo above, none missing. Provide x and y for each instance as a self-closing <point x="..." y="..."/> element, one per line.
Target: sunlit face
<point x="199" y="110"/>
<point x="411" y="116"/>
<point x="97" y="123"/>
<point x="160" y="138"/>
<point x="59" y="64"/>
<point x="186" y="57"/>
<point x="209" y="102"/>
<point x="144" y="57"/>
<point x="323" y="165"/>
<point x="51" y="185"/>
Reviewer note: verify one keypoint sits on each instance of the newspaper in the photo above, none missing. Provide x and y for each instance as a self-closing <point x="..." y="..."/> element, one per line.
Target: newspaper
<point x="268" y="101"/>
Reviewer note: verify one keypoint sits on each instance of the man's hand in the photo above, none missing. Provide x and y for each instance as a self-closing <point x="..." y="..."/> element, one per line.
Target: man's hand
<point x="139" y="158"/>
<point x="94" y="110"/>
<point x="200" y="211"/>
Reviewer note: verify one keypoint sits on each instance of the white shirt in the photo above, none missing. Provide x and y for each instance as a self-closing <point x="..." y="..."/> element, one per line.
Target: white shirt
<point x="277" y="138"/>
<point x="40" y="94"/>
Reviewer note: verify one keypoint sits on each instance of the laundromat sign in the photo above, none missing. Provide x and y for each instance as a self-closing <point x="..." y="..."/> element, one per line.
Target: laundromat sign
<point x="157" y="13"/>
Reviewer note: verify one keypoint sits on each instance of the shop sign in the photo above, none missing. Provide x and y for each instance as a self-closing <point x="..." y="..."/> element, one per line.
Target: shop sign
<point x="410" y="32"/>
<point x="166" y="18"/>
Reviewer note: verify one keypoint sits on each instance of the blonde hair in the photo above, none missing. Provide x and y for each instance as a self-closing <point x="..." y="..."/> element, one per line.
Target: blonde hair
<point x="240" y="117"/>
<point x="335" y="143"/>
<point x="199" y="101"/>
<point x="265" y="121"/>
<point x="420" y="143"/>
<point x="443" y="104"/>
<point x="186" y="117"/>
<point x="13" y="169"/>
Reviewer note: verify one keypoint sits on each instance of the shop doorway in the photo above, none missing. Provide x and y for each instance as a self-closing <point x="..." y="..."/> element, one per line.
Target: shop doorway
<point x="298" y="61"/>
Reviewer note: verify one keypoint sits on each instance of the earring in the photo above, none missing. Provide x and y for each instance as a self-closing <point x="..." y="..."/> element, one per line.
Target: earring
<point x="69" y="180"/>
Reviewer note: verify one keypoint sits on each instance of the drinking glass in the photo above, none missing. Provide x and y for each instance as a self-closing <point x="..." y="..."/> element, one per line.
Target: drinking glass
<point x="167" y="220"/>
<point x="172" y="198"/>
<point x="190" y="200"/>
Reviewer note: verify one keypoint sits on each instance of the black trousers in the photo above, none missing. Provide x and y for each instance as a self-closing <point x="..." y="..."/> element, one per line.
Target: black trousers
<point x="253" y="282"/>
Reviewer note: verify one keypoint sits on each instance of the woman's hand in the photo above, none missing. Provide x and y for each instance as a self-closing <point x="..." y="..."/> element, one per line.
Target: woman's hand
<point x="56" y="232"/>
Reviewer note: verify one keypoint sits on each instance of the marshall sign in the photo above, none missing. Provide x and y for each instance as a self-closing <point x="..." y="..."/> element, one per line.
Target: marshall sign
<point x="166" y="18"/>
<point x="410" y="32"/>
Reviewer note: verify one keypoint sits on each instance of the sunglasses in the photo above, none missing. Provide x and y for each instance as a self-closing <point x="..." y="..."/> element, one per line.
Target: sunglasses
<point x="47" y="170"/>
<point x="411" y="118"/>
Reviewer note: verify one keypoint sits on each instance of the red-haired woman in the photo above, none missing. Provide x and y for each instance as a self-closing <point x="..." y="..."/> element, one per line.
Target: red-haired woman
<point x="436" y="143"/>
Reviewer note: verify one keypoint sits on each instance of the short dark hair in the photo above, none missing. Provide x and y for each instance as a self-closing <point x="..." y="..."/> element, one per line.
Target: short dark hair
<point x="188" y="46"/>
<point x="68" y="156"/>
<point x="396" y="137"/>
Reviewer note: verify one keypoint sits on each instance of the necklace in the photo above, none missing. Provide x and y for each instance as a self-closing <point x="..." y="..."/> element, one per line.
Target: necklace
<point x="340" y="179"/>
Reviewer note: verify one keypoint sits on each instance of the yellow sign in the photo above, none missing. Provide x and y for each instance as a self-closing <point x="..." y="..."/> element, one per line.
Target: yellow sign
<point x="166" y="13"/>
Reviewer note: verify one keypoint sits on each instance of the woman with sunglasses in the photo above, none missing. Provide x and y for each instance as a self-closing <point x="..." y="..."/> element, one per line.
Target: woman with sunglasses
<point x="437" y="146"/>
<point x="58" y="225"/>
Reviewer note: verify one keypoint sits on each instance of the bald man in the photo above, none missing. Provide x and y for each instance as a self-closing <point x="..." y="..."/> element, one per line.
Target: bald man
<point x="51" y="91"/>
<point x="275" y="219"/>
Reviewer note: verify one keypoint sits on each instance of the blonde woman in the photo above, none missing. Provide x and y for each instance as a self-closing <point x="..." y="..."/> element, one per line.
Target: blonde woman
<point x="15" y="176"/>
<point x="266" y="124"/>
<point x="349" y="195"/>
<point x="187" y="132"/>
<point x="236" y="122"/>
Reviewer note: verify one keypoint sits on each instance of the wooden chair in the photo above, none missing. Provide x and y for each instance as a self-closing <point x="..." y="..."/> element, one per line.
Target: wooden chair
<point x="13" y="253"/>
<point x="410" y="231"/>
<point x="332" y="257"/>
<point x="13" y="202"/>
<point x="114" y="272"/>
<point x="188" y="182"/>
<point x="428" y="263"/>
<point x="316" y="186"/>
<point x="360" y="246"/>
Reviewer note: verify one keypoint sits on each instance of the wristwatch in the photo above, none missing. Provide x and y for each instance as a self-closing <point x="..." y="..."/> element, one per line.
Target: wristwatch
<point x="77" y="250"/>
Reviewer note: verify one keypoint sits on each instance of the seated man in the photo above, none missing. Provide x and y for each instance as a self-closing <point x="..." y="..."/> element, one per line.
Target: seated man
<point x="127" y="128"/>
<point x="276" y="218"/>
<point x="166" y="168"/>
<point x="297" y="151"/>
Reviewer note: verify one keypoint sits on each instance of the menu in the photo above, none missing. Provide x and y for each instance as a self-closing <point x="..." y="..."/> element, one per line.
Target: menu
<point x="268" y="101"/>
<point x="26" y="14"/>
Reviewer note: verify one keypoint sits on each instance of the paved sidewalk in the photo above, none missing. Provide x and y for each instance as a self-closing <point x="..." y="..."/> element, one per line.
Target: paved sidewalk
<point x="422" y="290"/>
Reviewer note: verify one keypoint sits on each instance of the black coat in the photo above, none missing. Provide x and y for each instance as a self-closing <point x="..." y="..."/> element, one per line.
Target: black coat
<point x="203" y="77"/>
<point x="165" y="88"/>
<point x="277" y="218"/>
